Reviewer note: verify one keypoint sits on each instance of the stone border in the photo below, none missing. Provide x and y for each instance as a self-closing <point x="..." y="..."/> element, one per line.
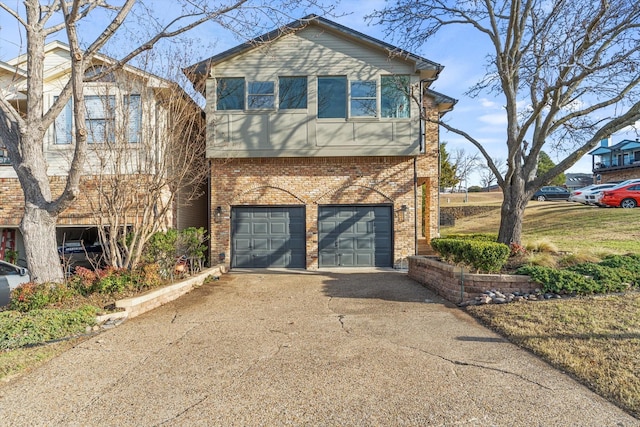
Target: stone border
<point x="457" y="285"/>
<point x="139" y="304"/>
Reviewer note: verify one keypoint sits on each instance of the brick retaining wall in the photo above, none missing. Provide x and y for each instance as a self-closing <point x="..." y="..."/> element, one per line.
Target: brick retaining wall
<point x="458" y="285"/>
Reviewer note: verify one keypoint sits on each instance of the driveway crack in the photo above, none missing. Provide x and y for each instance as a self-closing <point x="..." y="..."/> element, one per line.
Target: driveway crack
<point x="476" y="365"/>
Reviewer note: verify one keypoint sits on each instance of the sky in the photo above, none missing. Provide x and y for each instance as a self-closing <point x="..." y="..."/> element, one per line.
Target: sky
<point x="460" y="51"/>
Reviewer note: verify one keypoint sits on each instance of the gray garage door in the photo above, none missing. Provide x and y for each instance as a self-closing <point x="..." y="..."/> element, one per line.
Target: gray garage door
<point x="268" y="237"/>
<point x="355" y="236"/>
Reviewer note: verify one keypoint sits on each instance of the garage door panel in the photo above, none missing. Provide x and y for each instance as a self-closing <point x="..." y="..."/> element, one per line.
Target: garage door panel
<point x="268" y="237"/>
<point x="355" y="236"/>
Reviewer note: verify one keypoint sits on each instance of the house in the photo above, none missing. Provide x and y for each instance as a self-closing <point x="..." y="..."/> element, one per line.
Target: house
<point x="128" y="119"/>
<point x="617" y="162"/>
<point x="320" y="156"/>
<point x="573" y="181"/>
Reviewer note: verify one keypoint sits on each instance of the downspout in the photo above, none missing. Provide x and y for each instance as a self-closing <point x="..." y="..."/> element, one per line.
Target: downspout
<point x="415" y="205"/>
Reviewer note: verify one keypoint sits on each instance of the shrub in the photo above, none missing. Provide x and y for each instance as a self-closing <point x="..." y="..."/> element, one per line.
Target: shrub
<point x="482" y="255"/>
<point x="147" y="276"/>
<point x="542" y="246"/>
<point x="542" y="259"/>
<point x="487" y="237"/>
<point x="112" y="280"/>
<point x="559" y="281"/>
<point x="610" y="279"/>
<point x="577" y="258"/>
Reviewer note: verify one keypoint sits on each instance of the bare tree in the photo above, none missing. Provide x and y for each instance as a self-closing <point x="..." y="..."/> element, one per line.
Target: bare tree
<point x="568" y="73"/>
<point x="22" y="132"/>
<point x="464" y="164"/>
<point x="487" y="176"/>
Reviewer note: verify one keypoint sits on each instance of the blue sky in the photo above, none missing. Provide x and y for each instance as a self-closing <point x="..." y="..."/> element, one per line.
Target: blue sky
<point x="460" y="51"/>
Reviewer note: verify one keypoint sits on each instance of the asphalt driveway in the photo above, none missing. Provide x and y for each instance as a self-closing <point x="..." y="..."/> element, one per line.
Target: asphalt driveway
<point x="302" y="348"/>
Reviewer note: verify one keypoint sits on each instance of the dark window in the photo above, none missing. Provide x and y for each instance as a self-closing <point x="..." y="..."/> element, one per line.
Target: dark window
<point x="292" y="93"/>
<point x="230" y="94"/>
<point x="332" y="97"/>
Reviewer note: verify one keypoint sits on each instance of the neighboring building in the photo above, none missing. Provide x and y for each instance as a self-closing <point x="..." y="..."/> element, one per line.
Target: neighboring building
<point x="318" y="150"/>
<point x="127" y="121"/>
<point x="617" y="162"/>
<point x="573" y="181"/>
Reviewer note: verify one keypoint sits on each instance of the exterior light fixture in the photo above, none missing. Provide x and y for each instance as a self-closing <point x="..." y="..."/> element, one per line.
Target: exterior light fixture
<point x="217" y="214"/>
<point x="401" y="212"/>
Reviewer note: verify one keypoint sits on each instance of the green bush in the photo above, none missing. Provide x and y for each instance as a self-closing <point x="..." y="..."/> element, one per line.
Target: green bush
<point x="611" y="279"/>
<point x="559" y="281"/>
<point x="629" y="262"/>
<point x="39" y="326"/>
<point x="482" y="255"/>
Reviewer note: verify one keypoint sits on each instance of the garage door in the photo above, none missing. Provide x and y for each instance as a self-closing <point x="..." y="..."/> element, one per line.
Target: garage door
<point x="268" y="237"/>
<point x="355" y="236"/>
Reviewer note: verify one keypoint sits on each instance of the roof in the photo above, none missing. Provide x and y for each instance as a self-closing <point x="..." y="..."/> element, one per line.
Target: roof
<point x="626" y="144"/>
<point x="443" y="100"/>
<point x="196" y="71"/>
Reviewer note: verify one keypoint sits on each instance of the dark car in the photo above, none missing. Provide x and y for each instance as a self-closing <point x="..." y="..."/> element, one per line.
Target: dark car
<point x="551" y="192"/>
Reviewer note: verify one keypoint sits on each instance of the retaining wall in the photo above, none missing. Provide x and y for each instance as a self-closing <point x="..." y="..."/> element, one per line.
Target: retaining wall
<point x="457" y="285"/>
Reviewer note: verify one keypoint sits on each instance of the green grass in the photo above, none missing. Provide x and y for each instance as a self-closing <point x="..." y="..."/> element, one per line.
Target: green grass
<point x="570" y="226"/>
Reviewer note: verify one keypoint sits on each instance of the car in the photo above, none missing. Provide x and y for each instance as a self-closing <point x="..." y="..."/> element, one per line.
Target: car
<point x="551" y="192"/>
<point x="582" y="195"/>
<point x="627" y="196"/>
<point x="11" y="276"/>
<point x="598" y="196"/>
<point x="593" y="195"/>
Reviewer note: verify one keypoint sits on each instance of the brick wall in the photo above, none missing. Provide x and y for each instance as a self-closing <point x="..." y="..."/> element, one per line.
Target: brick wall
<point x="450" y="283"/>
<point x="311" y="182"/>
<point x="82" y="210"/>
<point x="618" y="175"/>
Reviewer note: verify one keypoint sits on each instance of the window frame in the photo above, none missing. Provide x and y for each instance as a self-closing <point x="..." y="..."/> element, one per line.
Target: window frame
<point x="133" y="135"/>
<point x="292" y="99"/>
<point x="384" y="87"/>
<point x="345" y="98"/>
<point x="361" y="99"/>
<point x="108" y="117"/>
<point x="242" y="98"/>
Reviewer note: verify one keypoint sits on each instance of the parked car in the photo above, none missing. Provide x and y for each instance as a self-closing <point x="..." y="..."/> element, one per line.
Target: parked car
<point x="583" y="195"/>
<point x="551" y="192"/>
<point x="627" y="196"/>
<point x="78" y="254"/>
<point x="11" y="276"/>
<point x="598" y="196"/>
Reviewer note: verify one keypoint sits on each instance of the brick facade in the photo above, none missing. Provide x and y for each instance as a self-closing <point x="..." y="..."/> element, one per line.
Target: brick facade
<point x="618" y="175"/>
<point x="311" y="182"/>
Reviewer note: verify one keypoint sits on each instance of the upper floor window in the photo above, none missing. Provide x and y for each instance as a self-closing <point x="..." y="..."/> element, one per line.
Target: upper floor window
<point x="230" y="94"/>
<point x="363" y="99"/>
<point x="133" y="117"/>
<point x="261" y="95"/>
<point x="332" y="97"/>
<point x="4" y="156"/>
<point x="395" y="96"/>
<point x="100" y="118"/>
<point x="292" y="92"/>
<point x="63" y="126"/>
<point x="98" y="69"/>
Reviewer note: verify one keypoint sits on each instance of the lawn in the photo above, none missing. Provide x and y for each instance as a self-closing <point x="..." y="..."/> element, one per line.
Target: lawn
<point x="594" y="339"/>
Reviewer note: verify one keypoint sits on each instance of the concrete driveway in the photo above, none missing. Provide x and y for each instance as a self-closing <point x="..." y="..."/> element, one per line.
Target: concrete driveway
<point x="302" y="348"/>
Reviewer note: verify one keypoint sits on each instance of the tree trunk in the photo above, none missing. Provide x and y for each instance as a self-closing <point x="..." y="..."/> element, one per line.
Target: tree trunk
<point x="38" y="229"/>
<point x="512" y="214"/>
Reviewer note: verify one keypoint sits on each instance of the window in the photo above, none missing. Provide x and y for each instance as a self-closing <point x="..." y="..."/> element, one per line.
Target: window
<point x="292" y="92"/>
<point x="132" y="116"/>
<point x="4" y="156"/>
<point x="395" y="97"/>
<point x="363" y="99"/>
<point x="98" y="69"/>
<point x="100" y="118"/>
<point x="261" y="95"/>
<point x="62" y="126"/>
<point x="230" y="94"/>
<point x="332" y="97"/>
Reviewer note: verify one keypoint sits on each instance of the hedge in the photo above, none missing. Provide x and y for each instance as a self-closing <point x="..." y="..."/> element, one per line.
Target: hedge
<point x="482" y="255"/>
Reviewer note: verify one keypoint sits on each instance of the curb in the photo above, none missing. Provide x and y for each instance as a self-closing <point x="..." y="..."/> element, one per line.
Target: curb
<point x="139" y="304"/>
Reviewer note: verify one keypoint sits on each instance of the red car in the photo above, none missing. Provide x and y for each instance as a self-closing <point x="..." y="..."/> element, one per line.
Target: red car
<point x="625" y="197"/>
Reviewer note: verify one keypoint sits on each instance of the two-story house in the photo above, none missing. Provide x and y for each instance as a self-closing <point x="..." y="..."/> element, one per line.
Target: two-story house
<point x="617" y="162"/>
<point x="128" y="120"/>
<point x="323" y="149"/>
